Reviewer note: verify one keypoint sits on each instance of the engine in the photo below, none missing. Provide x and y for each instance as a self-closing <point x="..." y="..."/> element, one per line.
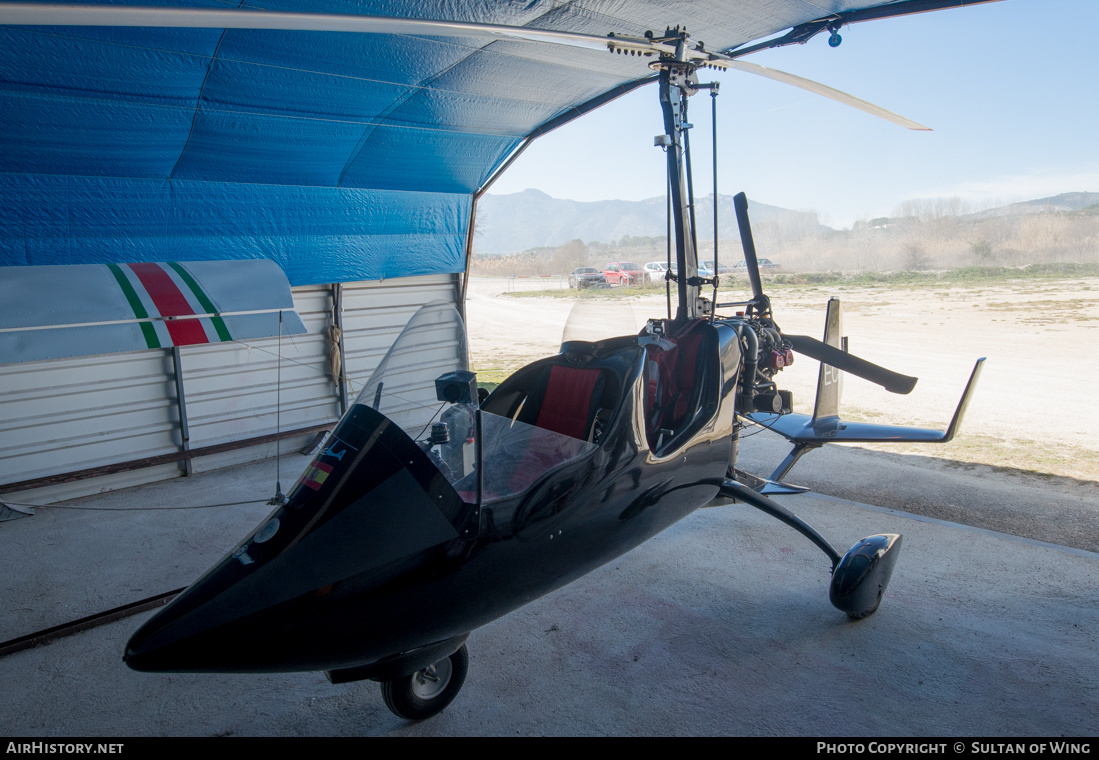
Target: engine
<point x="766" y="353"/>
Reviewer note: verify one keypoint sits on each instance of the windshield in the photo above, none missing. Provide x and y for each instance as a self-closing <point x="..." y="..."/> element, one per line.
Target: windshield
<point x="592" y="321"/>
<point x="630" y="267"/>
<point x="432" y="344"/>
<point x="426" y="362"/>
<point x="516" y="455"/>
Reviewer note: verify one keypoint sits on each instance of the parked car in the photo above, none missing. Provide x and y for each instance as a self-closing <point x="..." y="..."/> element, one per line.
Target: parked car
<point x="587" y="277"/>
<point x="741" y="266"/>
<point x="624" y="273"/>
<point x="722" y="269"/>
<point x="656" y="270"/>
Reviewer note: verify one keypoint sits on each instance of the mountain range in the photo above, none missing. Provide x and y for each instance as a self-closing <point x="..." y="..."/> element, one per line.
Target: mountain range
<point x="531" y="219"/>
<point x="1062" y="202"/>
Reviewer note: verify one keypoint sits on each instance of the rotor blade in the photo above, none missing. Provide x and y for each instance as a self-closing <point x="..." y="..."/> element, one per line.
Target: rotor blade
<point x="41" y="14"/>
<point x="49" y="14"/>
<point x="893" y="382"/>
<point x="820" y="89"/>
<point x="740" y="203"/>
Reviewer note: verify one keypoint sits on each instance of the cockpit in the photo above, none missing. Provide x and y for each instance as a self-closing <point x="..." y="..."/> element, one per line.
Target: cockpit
<point x="657" y="389"/>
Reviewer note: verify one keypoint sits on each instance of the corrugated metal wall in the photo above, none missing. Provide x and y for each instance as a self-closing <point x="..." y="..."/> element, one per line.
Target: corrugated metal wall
<point x="240" y="390"/>
<point x="66" y="415"/>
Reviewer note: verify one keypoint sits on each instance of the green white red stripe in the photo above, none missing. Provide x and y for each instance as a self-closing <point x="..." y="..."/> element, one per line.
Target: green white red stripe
<point x="53" y="312"/>
<point x="157" y="282"/>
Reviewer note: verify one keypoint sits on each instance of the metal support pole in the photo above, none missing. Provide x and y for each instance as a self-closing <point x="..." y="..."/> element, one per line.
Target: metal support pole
<point x="181" y="406"/>
<point x="668" y="241"/>
<point x="674" y="88"/>
<point x="463" y="285"/>
<point x="713" y="124"/>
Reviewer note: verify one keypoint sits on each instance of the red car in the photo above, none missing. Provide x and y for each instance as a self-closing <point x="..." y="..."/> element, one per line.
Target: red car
<point x="624" y="273"/>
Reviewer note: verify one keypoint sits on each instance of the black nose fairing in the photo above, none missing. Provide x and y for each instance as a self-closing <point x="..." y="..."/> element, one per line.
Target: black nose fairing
<point x="371" y="505"/>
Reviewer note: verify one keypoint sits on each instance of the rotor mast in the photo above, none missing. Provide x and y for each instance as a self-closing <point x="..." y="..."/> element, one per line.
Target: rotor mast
<point x="678" y="81"/>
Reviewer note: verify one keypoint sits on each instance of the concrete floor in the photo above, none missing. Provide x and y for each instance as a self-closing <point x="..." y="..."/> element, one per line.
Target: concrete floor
<point x="719" y="626"/>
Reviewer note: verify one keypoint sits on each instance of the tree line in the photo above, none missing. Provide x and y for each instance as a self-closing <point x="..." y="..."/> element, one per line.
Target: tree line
<point x="921" y="235"/>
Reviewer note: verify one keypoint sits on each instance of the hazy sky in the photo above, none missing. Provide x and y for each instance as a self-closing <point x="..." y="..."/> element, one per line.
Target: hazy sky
<point x="1011" y="90"/>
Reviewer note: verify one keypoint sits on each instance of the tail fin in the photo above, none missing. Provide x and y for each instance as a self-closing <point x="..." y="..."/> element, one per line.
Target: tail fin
<point x="830" y="379"/>
<point x="825" y="426"/>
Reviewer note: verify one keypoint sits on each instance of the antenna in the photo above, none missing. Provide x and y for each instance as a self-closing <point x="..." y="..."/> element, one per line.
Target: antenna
<point x="278" y="499"/>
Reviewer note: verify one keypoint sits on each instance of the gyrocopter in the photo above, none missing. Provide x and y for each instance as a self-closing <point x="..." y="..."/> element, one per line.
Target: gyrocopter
<point x="431" y="511"/>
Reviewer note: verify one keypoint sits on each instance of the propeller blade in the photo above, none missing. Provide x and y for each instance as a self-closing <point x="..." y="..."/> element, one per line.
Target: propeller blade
<point x="740" y="203"/>
<point x="894" y="382"/>
<point x="51" y="14"/>
<point x="820" y="89"/>
<point x="42" y="14"/>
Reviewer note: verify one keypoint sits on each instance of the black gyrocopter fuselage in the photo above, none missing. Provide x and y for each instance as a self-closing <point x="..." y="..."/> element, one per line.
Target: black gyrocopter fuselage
<point x="388" y="544"/>
<point x="432" y="510"/>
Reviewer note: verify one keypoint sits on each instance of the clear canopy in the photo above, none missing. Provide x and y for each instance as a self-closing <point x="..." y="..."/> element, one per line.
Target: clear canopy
<point x="593" y="320"/>
<point x="432" y="344"/>
<point x="515" y="455"/>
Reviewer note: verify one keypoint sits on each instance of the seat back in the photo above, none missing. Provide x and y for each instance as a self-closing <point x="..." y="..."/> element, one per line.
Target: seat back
<point x="571" y="400"/>
<point x="676" y="382"/>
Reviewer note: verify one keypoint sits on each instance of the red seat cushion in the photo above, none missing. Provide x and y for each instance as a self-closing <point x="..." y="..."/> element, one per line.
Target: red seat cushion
<point x="567" y="403"/>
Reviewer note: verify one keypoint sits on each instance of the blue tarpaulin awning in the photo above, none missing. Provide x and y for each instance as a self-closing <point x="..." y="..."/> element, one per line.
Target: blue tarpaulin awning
<point x="339" y="156"/>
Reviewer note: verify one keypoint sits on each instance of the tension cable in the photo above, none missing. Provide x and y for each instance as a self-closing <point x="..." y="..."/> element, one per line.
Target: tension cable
<point x="713" y="121"/>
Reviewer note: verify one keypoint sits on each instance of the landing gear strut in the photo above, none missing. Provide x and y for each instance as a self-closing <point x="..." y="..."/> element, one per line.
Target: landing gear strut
<point x="859" y="577"/>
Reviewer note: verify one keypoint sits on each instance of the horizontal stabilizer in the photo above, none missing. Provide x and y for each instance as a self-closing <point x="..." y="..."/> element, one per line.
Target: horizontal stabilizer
<point x="804" y="429"/>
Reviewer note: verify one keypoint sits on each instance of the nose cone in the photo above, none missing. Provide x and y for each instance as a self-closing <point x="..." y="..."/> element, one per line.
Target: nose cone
<point x="309" y="589"/>
<point x="191" y="635"/>
<point x="142" y="656"/>
<point x="229" y="618"/>
<point x="227" y="621"/>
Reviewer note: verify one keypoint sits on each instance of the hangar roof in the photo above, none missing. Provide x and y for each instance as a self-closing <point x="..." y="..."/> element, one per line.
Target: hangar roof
<point x="340" y="156"/>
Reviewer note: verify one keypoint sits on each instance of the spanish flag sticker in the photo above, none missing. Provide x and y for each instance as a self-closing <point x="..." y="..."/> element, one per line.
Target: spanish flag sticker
<point x="315" y="475"/>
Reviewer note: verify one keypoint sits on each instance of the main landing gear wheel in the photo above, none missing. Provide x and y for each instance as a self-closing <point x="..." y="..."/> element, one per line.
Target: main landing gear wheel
<point x="427" y="691"/>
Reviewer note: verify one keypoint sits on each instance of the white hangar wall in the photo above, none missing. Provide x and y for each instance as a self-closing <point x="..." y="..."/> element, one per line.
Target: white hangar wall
<point x="65" y="416"/>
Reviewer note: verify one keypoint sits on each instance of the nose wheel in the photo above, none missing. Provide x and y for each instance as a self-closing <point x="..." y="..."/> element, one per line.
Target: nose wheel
<point x="426" y="692"/>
